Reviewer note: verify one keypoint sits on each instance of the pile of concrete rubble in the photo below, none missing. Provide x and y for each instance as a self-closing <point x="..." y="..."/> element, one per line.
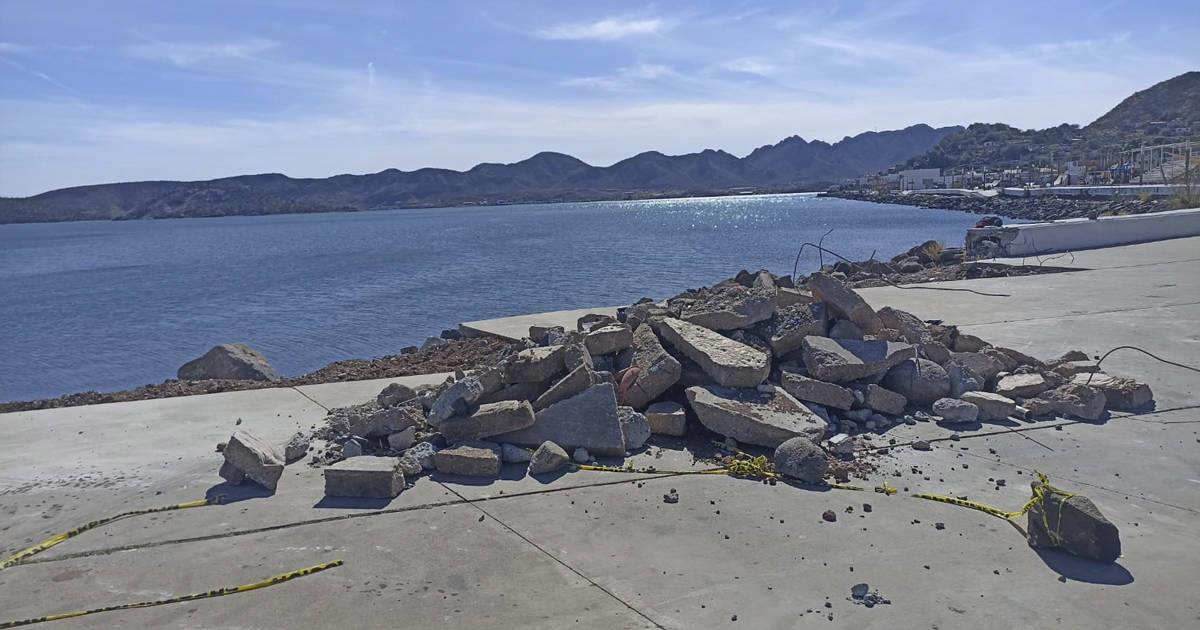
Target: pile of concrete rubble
<point x="805" y="370"/>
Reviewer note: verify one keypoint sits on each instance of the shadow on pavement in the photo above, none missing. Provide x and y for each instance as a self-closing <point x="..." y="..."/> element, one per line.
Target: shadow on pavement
<point x="1083" y="570"/>
<point x="230" y="493"/>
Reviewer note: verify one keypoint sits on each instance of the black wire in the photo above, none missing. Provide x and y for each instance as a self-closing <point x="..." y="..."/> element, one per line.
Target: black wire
<point x="796" y="267"/>
<point x="1145" y="352"/>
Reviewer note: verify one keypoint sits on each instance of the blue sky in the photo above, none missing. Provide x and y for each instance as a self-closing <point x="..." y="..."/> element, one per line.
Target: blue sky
<point x="94" y="92"/>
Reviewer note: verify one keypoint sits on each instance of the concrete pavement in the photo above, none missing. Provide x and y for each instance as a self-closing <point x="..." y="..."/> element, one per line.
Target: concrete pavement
<point x="602" y="550"/>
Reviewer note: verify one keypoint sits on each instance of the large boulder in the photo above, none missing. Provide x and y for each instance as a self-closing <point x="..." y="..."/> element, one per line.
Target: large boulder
<point x="754" y="417"/>
<point x="248" y="456"/>
<point x="819" y="392"/>
<point x="791" y="324"/>
<point x="919" y="380"/>
<point x="490" y="419"/>
<point x="728" y="307"/>
<point x="801" y="459"/>
<point x="844" y="302"/>
<point x="845" y="360"/>
<point x="728" y="362"/>
<point x="229" y="361"/>
<point x="656" y="371"/>
<point x="588" y="419"/>
<point x="1073" y="523"/>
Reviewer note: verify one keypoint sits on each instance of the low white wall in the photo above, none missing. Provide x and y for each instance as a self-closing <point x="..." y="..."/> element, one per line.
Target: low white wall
<point x="1073" y="234"/>
<point x="1131" y="190"/>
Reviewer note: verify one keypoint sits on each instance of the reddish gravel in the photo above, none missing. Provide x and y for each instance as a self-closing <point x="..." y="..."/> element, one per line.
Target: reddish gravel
<point x="465" y="354"/>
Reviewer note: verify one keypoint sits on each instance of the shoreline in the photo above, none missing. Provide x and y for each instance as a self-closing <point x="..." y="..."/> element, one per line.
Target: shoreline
<point x="1020" y="208"/>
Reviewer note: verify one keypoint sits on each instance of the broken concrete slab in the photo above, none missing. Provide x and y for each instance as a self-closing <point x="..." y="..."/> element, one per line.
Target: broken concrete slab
<point x="845" y="329"/>
<point x="1022" y="385"/>
<point x="844" y="302"/>
<point x="845" y="360"/>
<point x="490" y="419"/>
<point x="1120" y="394"/>
<point x="992" y="407"/>
<point x="588" y="419"/>
<point x="919" y="380"/>
<point x="394" y="394"/>
<point x="754" y="417"/>
<point x="819" y="392"/>
<point x="982" y="365"/>
<point x="402" y="440"/>
<point x="370" y="421"/>
<point x="788" y="296"/>
<point x="252" y="458"/>
<point x="667" y="418"/>
<point x="656" y="372"/>
<point x="548" y="458"/>
<point x="1071" y="400"/>
<point x="471" y="459"/>
<point x="911" y="328"/>
<point x="516" y="391"/>
<point x="882" y="399"/>
<point x="634" y="427"/>
<point x="728" y="307"/>
<point x="799" y="458"/>
<point x="229" y="361"/>
<point x="456" y="400"/>
<point x="577" y="380"/>
<point x="791" y="324"/>
<point x="955" y="410"/>
<point x="535" y="365"/>
<point x="296" y="447"/>
<point x="608" y="339"/>
<point x="365" y="477"/>
<point x="728" y="362"/>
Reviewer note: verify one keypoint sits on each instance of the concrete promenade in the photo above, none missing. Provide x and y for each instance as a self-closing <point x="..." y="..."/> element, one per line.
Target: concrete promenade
<point x="602" y="550"/>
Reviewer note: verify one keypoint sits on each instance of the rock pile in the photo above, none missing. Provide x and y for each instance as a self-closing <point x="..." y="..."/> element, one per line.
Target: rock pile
<point x="754" y="359"/>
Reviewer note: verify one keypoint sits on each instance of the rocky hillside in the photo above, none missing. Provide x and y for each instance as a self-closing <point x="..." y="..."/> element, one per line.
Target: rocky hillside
<point x="792" y="164"/>
<point x="1166" y="112"/>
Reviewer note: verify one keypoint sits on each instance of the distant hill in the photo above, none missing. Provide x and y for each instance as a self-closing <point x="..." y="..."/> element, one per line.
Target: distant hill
<point x="792" y="164"/>
<point x="1166" y="112"/>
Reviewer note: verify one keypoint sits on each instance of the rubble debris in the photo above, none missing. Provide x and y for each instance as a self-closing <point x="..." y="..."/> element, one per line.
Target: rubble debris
<point x="1072" y="400"/>
<point x="919" y="380"/>
<point x="488" y="420"/>
<point x="829" y="516"/>
<point x="844" y="302"/>
<point x="365" y="477"/>
<point x="395" y="394"/>
<point x="608" y="339"/>
<point x="728" y="362"/>
<point x="656" y="370"/>
<point x="955" y="410"/>
<point x="791" y="324"/>
<point x="992" y="407"/>
<point x="1120" y="394"/>
<point x="548" y="458"/>
<point x="983" y="366"/>
<point x="667" y="418"/>
<point x="861" y="594"/>
<point x="296" y="447"/>
<point x="673" y="497"/>
<point x="922" y="445"/>
<point x="1072" y="522"/>
<point x="588" y="419"/>
<point x="577" y="380"/>
<point x="402" y="440"/>
<point x="845" y="360"/>
<point x="248" y="456"/>
<point x="581" y="455"/>
<point x="800" y="459"/>
<point x="815" y="391"/>
<point x="1022" y="385"/>
<point x="842" y="444"/>
<point x="726" y="307"/>
<point x="456" y="400"/>
<point x="881" y="399"/>
<point x="230" y="361"/>
<point x="470" y="459"/>
<point x="845" y="329"/>
<point x="513" y="454"/>
<point x="634" y="427"/>
<point x="754" y="417"/>
<point x="535" y="365"/>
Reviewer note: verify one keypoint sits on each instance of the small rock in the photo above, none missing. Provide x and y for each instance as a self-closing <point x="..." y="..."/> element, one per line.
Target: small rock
<point x="829" y="515"/>
<point x="799" y="458"/>
<point x="296" y="447"/>
<point x="548" y="458"/>
<point x="581" y="455"/>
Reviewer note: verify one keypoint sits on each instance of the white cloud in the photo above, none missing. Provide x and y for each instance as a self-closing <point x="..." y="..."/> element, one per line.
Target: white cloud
<point x="14" y="48"/>
<point x="185" y="54"/>
<point x="750" y="65"/>
<point x="605" y="29"/>
<point x="624" y="78"/>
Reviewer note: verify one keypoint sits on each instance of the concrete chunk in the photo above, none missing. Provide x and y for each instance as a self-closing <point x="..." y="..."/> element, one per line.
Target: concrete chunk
<point x="754" y="417"/>
<point x="1076" y="525"/>
<point x="1022" y="385"/>
<point x="456" y="400"/>
<point x="656" y="372"/>
<point x="954" y="410"/>
<point x="728" y="362"/>
<point x="820" y="392"/>
<point x="490" y="419"/>
<point x="394" y="394"/>
<point x="548" y="458"/>
<point x="844" y="302"/>
<point x="883" y="400"/>
<point x="254" y="458"/>
<point x="475" y="459"/>
<point x="535" y="365"/>
<point x="991" y="406"/>
<point x="729" y="307"/>
<point x="667" y="418"/>
<point x="588" y="419"/>
<point x="845" y="360"/>
<point x="366" y="477"/>
<point x="919" y="380"/>
<point x="791" y="324"/>
<point x="1121" y="394"/>
<point x="634" y="427"/>
<point x="608" y="339"/>
<point x="574" y="382"/>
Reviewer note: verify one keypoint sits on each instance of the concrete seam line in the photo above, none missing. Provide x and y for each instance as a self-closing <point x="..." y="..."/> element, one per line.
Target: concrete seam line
<point x="327" y="519"/>
<point x="555" y="558"/>
<point x="310" y="398"/>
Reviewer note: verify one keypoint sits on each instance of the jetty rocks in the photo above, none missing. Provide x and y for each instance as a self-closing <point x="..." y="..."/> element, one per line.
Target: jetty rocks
<point x="808" y="370"/>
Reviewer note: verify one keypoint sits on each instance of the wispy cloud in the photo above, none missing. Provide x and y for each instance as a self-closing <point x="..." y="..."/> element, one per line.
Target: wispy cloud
<point x="14" y="48"/>
<point x="605" y="29"/>
<point x="750" y="65"/>
<point x="624" y="78"/>
<point x="185" y="54"/>
<point x="35" y="73"/>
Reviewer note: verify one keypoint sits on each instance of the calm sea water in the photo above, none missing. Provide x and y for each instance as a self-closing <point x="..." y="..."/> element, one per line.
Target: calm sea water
<point x="113" y="305"/>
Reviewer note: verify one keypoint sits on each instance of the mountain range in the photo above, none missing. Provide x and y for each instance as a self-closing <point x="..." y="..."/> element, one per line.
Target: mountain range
<point x="793" y="164"/>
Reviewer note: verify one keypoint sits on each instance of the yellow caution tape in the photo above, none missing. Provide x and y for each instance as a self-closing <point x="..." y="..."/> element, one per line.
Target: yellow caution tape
<point x="56" y="539"/>
<point x="220" y="592"/>
<point x="1040" y="492"/>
